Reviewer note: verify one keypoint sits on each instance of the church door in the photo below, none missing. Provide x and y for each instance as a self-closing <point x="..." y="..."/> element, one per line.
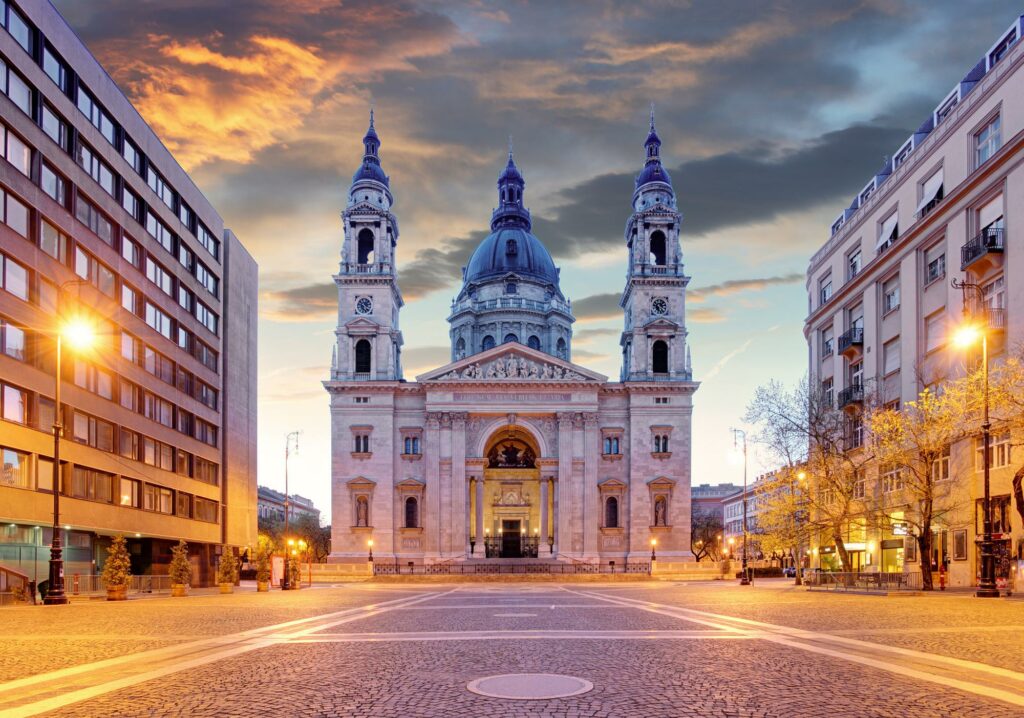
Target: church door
<point x="511" y="538"/>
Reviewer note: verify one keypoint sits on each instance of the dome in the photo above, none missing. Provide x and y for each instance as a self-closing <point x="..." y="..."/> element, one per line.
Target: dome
<point x="370" y="171"/>
<point x="653" y="172"/>
<point x="511" y="249"/>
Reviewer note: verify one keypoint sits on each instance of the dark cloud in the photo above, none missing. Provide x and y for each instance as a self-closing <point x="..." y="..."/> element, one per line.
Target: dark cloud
<point x="585" y="335"/>
<point x="734" y="286"/>
<point x="598" y="306"/>
<point x="416" y="360"/>
<point x="307" y="303"/>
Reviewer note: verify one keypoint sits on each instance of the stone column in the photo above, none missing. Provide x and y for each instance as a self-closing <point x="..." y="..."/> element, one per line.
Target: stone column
<point x="432" y="457"/>
<point x="459" y="535"/>
<point x="543" y="548"/>
<point x="563" y="533"/>
<point x="478" y="548"/>
<point x="591" y="505"/>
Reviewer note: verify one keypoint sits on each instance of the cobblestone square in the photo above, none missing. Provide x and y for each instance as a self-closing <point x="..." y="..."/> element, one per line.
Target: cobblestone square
<point x="648" y="649"/>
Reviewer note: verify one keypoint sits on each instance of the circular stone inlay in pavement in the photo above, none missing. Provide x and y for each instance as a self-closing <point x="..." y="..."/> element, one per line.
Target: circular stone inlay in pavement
<point x="530" y="686"/>
<point x="513" y="615"/>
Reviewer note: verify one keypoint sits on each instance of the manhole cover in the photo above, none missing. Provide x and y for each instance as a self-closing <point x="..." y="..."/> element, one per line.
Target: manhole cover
<point x="530" y="686"/>
<point x="513" y="615"/>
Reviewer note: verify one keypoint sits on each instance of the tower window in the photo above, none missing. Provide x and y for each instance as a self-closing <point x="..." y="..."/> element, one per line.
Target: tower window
<point x="412" y="513"/>
<point x="511" y="246"/>
<point x="361" y="444"/>
<point x="363" y="352"/>
<point x="487" y="343"/>
<point x="533" y="342"/>
<point x="365" y="246"/>
<point x="658" y="248"/>
<point x="511" y="288"/>
<point x="460" y="348"/>
<point x="611" y="513"/>
<point x="560" y="349"/>
<point x="509" y="338"/>
<point x="659" y="357"/>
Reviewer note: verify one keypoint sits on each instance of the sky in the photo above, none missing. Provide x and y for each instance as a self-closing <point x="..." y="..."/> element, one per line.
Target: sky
<point x="772" y="116"/>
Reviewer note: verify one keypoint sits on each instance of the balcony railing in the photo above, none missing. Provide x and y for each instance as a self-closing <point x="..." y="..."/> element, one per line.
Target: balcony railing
<point x="988" y="241"/>
<point x="851" y="395"/>
<point x="995" y="318"/>
<point x="374" y="268"/>
<point x="851" y="338"/>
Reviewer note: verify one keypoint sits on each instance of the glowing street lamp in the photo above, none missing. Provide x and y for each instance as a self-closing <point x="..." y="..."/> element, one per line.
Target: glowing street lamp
<point x="654" y="542"/>
<point x="79" y="335"/>
<point x="369" y="545"/>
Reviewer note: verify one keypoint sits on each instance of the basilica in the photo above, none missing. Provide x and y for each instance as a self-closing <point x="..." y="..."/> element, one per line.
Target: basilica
<point x="511" y="451"/>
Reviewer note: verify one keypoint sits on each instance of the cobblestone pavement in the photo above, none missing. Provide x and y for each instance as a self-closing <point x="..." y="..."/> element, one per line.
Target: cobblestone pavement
<point x="652" y="649"/>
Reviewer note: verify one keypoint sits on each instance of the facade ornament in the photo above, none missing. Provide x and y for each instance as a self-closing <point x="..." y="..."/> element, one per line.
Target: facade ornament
<point x="512" y="367"/>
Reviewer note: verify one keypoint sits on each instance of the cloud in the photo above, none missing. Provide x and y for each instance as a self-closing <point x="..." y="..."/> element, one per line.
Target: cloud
<point x="734" y="286"/>
<point x="306" y="303"/>
<point x="597" y="306"/>
<point x="585" y="335"/>
<point x="417" y="360"/>
<point x="705" y="315"/>
<point x="725" y="359"/>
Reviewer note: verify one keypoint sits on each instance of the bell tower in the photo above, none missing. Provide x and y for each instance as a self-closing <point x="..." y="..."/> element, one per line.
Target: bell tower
<point x="369" y="342"/>
<point x="654" y="300"/>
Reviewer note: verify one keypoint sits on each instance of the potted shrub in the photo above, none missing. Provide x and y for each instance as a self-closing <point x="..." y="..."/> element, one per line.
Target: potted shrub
<point x="264" y="551"/>
<point x="180" y="570"/>
<point x="294" y="574"/>
<point x="117" y="571"/>
<point x="227" y="570"/>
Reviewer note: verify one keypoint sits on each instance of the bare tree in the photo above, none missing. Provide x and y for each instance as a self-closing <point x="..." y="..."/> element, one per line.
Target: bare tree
<point x="916" y="475"/>
<point x="803" y="426"/>
<point x="705" y="531"/>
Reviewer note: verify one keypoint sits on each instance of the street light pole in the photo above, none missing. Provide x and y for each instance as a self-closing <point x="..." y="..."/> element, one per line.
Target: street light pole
<point x="987" y="583"/>
<point x="287" y="452"/>
<point x="745" y="581"/>
<point x="55" y="591"/>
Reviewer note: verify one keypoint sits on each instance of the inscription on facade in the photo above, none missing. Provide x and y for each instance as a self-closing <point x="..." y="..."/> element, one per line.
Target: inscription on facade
<point x="508" y="398"/>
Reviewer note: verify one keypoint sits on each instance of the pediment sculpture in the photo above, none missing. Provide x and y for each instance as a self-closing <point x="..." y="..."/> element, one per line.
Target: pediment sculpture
<point x="513" y="367"/>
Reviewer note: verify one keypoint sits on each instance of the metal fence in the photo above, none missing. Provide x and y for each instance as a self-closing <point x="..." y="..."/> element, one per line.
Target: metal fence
<point x="862" y="581"/>
<point x="495" y="569"/>
<point x="83" y="584"/>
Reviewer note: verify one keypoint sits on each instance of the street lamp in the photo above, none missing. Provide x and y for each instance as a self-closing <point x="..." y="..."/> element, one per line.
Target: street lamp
<point x="745" y="581"/>
<point x="654" y="542"/>
<point x="967" y="335"/>
<point x="79" y="335"/>
<point x="292" y="435"/>
<point x="369" y="545"/>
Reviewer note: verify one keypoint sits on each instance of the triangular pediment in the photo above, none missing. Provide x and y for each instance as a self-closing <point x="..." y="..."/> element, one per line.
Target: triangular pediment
<point x="512" y="362"/>
<point x="361" y="323"/>
<point x="661" y="323"/>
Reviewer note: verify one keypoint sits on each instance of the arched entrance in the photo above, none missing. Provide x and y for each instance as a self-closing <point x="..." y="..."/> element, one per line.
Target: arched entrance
<point x="512" y="496"/>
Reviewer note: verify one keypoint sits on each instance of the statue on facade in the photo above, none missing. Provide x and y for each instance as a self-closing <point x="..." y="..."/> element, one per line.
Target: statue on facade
<point x="362" y="509"/>
<point x="659" y="511"/>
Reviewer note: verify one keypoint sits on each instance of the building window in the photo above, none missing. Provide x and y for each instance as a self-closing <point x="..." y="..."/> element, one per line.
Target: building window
<point x="14" y="471"/>
<point x="998" y="452"/>
<point x="611" y="445"/>
<point x="827" y="341"/>
<point x="659" y="357"/>
<point x="88" y="214"/>
<point x="96" y="115"/>
<point x="17" y="152"/>
<point x="183" y="505"/>
<point x="661" y="400"/>
<point x="412" y="513"/>
<point x="987" y="142"/>
<point x="511" y="338"/>
<point x="658" y="248"/>
<point x="18" y="27"/>
<point x="611" y="513"/>
<point x="53" y="184"/>
<point x="890" y="295"/>
<point x="859" y="486"/>
<point x="361" y="444"/>
<point x="14" y="213"/>
<point x="205" y="510"/>
<point x="360" y="400"/>
<point x="16" y="89"/>
<point x="932" y="191"/>
<point x="853" y="264"/>
<point x="487" y="343"/>
<point x="92" y="485"/>
<point x="533" y="342"/>
<point x="940" y="466"/>
<point x="511" y="247"/>
<point x="825" y="289"/>
<point x="888" y="232"/>
<point x="13" y="404"/>
<point x="411" y="445"/>
<point x="364" y="246"/>
<point x="12" y="341"/>
<point x="560" y="349"/>
<point x="511" y="288"/>
<point x="1001" y="48"/>
<point x="54" y="127"/>
<point x="661" y="443"/>
<point x="892" y="479"/>
<point x="94" y="432"/>
<point x="935" y="263"/>
<point x="363" y="356"/>
<point x="891" y="356"/>
<point x="827" y="392"/>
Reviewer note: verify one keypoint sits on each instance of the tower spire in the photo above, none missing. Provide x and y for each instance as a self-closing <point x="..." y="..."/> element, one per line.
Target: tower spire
<point x="510" y="148"/>
<point x="652" y="117"/>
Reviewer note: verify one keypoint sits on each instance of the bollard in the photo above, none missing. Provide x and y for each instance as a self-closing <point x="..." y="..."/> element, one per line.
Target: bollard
<point x="74" y="584"/>
<point x="942" y="577"/>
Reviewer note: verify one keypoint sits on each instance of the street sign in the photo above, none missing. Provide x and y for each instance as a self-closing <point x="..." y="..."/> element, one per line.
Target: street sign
<point x="899" y="528"/>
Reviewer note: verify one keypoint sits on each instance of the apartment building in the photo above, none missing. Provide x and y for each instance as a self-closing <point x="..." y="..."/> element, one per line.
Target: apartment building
<point x="159" y="415"/>
<point x="948" y="204"/>
<point x="270" y="506"/>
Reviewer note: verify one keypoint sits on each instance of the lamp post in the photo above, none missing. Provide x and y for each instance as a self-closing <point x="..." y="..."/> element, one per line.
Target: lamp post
<point x="369" y="546"/>
<point x="797" y="557"/>
<point x="292" y="435"/>
<point x="79" y="335"/>
<point x="745" y="581"/>
<point x="654" y="543"/>
<point x="967" y="335"/>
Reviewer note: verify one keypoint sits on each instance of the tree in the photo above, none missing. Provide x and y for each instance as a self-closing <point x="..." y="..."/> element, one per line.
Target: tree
<point x="300" y="526"/>
<point x="705" y="529"/>
<point x="118" y="568"/>
<point x="1006" y="397"/>
<point x="917" y="476"/>
<point x="180" y="569"/>
<point x="227" y="569"/>
<point x="264" y="551"/>
<point x="802" y="426"/>
<point x="781" y="517"/>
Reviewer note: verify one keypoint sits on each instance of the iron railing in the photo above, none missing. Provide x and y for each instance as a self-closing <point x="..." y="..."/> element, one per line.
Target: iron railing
<point x="511" y="547"/>
<point x="851" y="395"/>
<point x="862" y="580"/>
<point x="381" y="568"/>
<point x="853" y="337"/>
<point x="988" y="240"/>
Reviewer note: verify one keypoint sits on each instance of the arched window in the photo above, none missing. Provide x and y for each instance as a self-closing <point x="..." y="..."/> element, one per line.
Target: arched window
<point x="412" y="513"/>
<point x="509" y="338"/>
<point x="611" y="513"/>
<point x="607" y="445"/>
<point x="511" y="246"/>
<point x="533" y="342"/>
<point x="658" y="248"/>
<point x="659" y="357"/>
<point x="460" y="348"/>
<point x="365" y="246"/>
<point x="560" y="349"/>
<point x="487" y="343"/>
<point x="511" y="288"/>
<point x="363" y="356"/>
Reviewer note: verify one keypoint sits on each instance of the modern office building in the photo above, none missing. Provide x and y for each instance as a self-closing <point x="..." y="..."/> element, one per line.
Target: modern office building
<point x="881" y="305"/>
<point x="159" y="415"/>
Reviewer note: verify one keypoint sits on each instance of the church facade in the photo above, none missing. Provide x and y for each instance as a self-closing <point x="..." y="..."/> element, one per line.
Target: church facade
<point x="511" y="450"/>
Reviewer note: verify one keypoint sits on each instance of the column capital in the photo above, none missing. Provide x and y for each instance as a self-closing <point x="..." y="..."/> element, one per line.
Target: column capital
<point x="564" y="418"/>
<point x="433" y="419"/>
<point x="459" y="418"/>
<point x="591" y="419"/>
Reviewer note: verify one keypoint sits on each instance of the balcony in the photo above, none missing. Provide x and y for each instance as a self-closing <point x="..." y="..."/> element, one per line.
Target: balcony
<point x="995" y="319"/>
<point x="851" y="341"/>
<point x="982" y="251"/>
<point x="851" y="396"/>
<point x="374" y="268"/>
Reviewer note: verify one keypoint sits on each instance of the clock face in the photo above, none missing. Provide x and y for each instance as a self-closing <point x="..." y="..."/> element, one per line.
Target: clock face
<point x="659" y="305"/>
<point x="364" y="305"/>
